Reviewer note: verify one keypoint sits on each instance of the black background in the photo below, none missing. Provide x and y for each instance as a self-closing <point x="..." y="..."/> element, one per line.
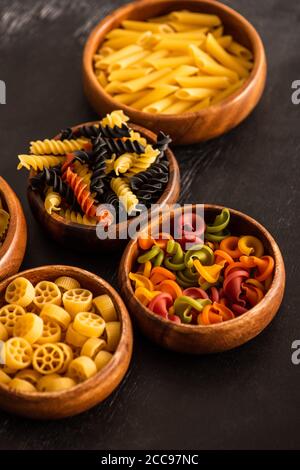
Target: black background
<point x="247" y="398"/>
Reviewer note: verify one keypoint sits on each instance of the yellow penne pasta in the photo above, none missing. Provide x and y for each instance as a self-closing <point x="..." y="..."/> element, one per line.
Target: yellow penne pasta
<point x="177" y="107"/>
<point x="155" y="95"/>
<point x="127" y="61"/>
<point x="189" y="17"/>
<point x="245" y="63"/>
<point x="198" y="106"/>
<point x="169" y="78"/>
<point x="225" y="41"/>
<point x="196" y="34"/>
<point x="229" y="91"/>
<point x="176" y="44"/>
<point x="210" y="66"/>
<point x="146" y="26"/>
<point x="118" y="33"/>
<point x="140" y="83"/>
<point x="102" y="79"/>
<point x="171" y="62"/>
<point x="119" y="43"/>
<point x="128" y="98"/>
<point x="204" y="82"/>
<point x="129" y="74"/>
<point x="218" y="32"/>
<point x="125" y="52"/>
<point x="194" y="94"/>
<point x="240" y="51"/>
<point x="159" y="106"/>
<point x="218" y="52"/>
<point x="182" y="27"/>
<point x="114" y="87"/>
<point x="105" y="51"/>
<point x="160" y="19"/>
<point x="155" y="56"/>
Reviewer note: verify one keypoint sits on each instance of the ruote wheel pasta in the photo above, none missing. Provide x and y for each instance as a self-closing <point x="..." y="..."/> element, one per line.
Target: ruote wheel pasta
<point x="30" y="375"/>
<point x="18" y="353"/>
<point x="21" y="385"/>
<point x="77" y="300"/>
<point x="4" y="378"/>
<point x="56" y="314"/>
<point x="9" y="315"/>
<point x="67" y="283"/>
<point x="105" y="307"/>
<point x="51" y="333"/>
<point x="20" y="292"/>
<point x="82" y="368"/>
<point x="48" y="358"/>
<point x="92" y="347"/>
<point x="113" y="333"/>
<point x="102" y="358"/>
<point x="29" y="327"/>
<point x="46" y="292"/>
<point x="68" y="356"/>
<point x="89" y="324"/>
<point x="3" y="332"/>
<point x="74" y="338"/>
<point x="56" y="384"/>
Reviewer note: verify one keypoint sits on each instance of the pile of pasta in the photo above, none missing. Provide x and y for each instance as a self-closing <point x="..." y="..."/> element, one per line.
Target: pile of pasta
<point x="4" y="222"/>
<point x="107" y="164"/>
<point x="211" y="281"/>
<point x="55" y="334"/>
<point x="177" y="63"/>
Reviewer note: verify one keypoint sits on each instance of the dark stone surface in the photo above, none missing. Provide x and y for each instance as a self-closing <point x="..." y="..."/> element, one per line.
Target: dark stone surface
<point x="247" y="398"/>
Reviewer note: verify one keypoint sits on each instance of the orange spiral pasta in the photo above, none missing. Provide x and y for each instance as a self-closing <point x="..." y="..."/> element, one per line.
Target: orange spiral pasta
<point x="83" y="195"/>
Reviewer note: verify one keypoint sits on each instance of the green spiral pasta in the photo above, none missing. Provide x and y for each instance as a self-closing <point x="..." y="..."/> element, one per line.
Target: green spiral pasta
<point x="175" y="261"/>
<point x="216" y="231"/>
<point x="202" y="252"/>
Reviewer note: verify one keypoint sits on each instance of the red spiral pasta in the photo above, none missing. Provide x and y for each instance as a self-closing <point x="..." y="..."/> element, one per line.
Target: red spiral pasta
<point x="83" y="196"/>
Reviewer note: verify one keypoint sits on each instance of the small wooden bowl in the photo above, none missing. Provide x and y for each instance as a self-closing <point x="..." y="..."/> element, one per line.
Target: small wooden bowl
<point x="219" y="337"/>
<point x="13" y="249"/>
<point x="84" y="238"/>
<point x="186" y="128"/>
<point x="57" y="405"/>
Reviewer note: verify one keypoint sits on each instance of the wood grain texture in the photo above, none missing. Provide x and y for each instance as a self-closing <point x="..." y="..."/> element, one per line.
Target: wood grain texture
<point x="220" y="337"/>
<point x="84" y="237"/>
<point x="186" y="128"/>
<point x="252" y="390"/>
<point x="70" y="402"/>
<point x="13" y="249"/>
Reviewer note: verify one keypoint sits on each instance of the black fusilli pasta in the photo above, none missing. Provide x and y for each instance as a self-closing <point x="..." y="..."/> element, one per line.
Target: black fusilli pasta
<point x="163" y="141"/>
<point x="52" y="177"/>
<point x="149" y="185"/>
<point x="119" y="146"/>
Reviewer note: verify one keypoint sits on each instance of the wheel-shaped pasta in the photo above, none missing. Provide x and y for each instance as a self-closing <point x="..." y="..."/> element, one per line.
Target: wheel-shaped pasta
<point x="48" y="358"/>
<point x="51" y="312"/>
<point x="19" y="292"/>
<point x="74" y="338"/>
<point x="4" y="378"/>
<point x="92" y="347"/>
<point x="3" y="332"/>
<point x="82" y="368"/>
<point x="67" y="283"/>
<point x="105" y="307"/>
<point x="9" y="315"/>
<point x="30" y="375"/>
<point x="102" y="358"/>
<point x="77" y="300"/>
<point x="68" y="356"/>
<point x="21" y="385"/>
<point x="89" y="324"/>
<point x="47" y="292"/>
<point x="18" y="353"/>
<point x="113" y="333"/>
<point x="57" y="384"/>
<point x="45" y="380"/>
<point x="51" y="333"/>
<point x="29" y="327"/>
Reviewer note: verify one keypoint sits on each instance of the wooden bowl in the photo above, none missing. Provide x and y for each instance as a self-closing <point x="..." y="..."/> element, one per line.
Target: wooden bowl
<point x="84" y="238"/>
<point x="70" y="402"/>
<point x="201" y="339"/>
<point x="186" y="128"/>
<point x="13" y="249"/>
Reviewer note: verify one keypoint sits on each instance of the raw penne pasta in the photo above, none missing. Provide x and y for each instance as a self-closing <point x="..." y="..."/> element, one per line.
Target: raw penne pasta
<point x="159" y="106"/>
<point x="118" y="33"/>
<point x="218" y="32"/>
<point x="225" y="41"/>
<point x="210" y="66"/>
<point x="114" y="87"/>
<point x="146" y="26"/>
<point x="201" y="105"/>
<point x="224" y="94"/>
<point x="177" y="107"/>
<point x="177" y="45"/>
<point x="127" y="61"/>
<point x="155" y="56"/>
<point x="129" y="98"/>
<point x="129" y="74"/>
<point x="197" y="34"/>
<point x="245" y="63"/>
<point x="154" y="95"/>
<point x="204" y="82"/>
<point x="160" y="19"/>
<point x="105" y="51"/>
<point x="194" y="94"/>
<point x="125" y="52"/>
<point x="172" y="62"/>
<point x="102" y="79"/>
<point x="119" y="43"/>
<point x="195" y="18"/>
<point x="240" y="51"/>
<point x="140" y="83"/>
<point x="219" y="53"/>
<point x="170" y="78"/>
<point x="182" y="27"/>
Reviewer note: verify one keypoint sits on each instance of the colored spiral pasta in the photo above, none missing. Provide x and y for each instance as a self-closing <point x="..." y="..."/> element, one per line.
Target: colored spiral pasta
<point x="149" y="185"/>
<point x="53" y="179"/>
<point x="124" y="193"/>
<point x="56" y="147"/>
<point x="39" y="162"/>
<point x="83" y="196"/>
<point x="143" y="162"/>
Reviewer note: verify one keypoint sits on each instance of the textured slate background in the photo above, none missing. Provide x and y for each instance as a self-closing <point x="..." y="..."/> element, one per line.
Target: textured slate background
<point x="247" y="398"/>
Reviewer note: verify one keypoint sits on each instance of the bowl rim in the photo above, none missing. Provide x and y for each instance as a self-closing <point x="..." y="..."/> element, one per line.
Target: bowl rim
<point x="173" y="180"/>
<point x="102" y="376"/>
<point x="277" y="282"/>
<point x="14" y="208"/>
<point x="93" y="43"/>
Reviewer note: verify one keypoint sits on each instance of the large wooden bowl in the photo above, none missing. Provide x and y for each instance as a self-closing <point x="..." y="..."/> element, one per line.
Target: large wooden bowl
<point x="13" y="249"/>
<point x="84" y="238"/>
<point x="211" y="338"/>
<point x="94" y="390"/>
<point x="186" y="128"/>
